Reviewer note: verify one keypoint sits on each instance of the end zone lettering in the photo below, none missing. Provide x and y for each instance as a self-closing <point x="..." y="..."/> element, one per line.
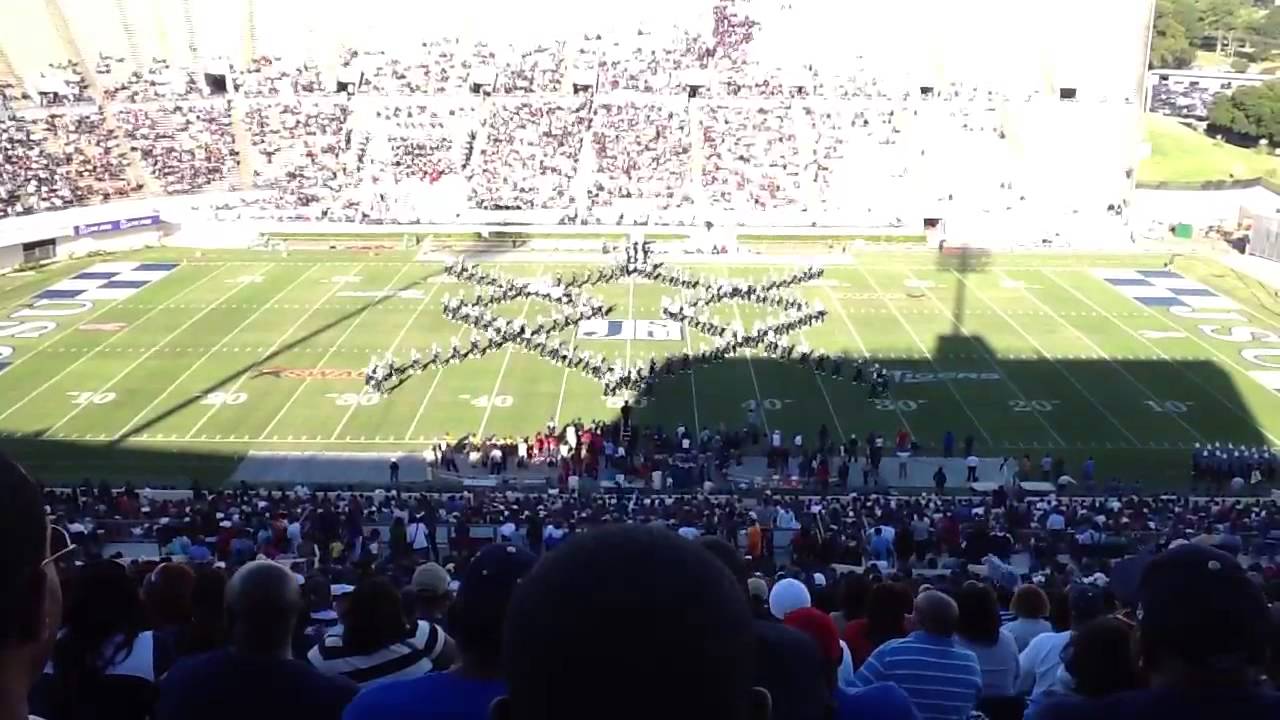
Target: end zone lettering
<point x="310" y="373"/>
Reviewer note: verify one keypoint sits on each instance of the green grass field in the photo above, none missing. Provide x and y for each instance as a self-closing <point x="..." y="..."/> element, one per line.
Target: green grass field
<point x="1180" y="154"/>
<point x="169" y="385"/>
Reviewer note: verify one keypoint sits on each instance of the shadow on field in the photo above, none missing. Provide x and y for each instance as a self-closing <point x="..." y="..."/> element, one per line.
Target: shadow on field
<point x="222" y="382"/>
<point x="1138" y="418"/>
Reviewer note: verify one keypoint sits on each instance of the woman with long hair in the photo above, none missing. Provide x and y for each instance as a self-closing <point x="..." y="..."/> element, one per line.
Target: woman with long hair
<point x="978" y="630"/>
<point x="376" y="643"/>
<point x="105" y="663"/>
<point x="888" y="605"/>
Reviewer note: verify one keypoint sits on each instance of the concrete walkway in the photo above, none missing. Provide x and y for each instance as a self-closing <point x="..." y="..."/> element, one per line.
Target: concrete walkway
<point x="1261" y="269"/>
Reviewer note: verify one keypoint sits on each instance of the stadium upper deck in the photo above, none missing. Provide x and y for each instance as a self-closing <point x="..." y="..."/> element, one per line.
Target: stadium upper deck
<point x="801" y="112"/>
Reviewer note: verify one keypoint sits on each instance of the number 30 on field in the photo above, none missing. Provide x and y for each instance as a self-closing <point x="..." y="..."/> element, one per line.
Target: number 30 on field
<point x="224" y="398"/>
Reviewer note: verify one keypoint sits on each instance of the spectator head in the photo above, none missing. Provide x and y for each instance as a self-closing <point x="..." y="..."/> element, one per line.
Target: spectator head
<point x="854" y="588"/>
<point x="887" y="607"/>
<point x="819" y="627"/>
<point x="104" y="615"/>
<point x="727" y="555"/>
<point x="787" y="595"/>
<point x="1100" y="658"/>
<point x="167" y="594"/>
<point x="208" y="612"/>
<point x="430" y="588"/>
<point x="374" y="618"/>
<point x="483" y="599"/>
<point x="625" y="607"/>
<point x="263" y="602"/>
<point x="936" y="613"/>
<point x="979" y="620"/>
<point x="1029" y="602"/>
<point x="1086" y="602"/>
<point x="1200" y="618"/>
<point x="31" y="599"/>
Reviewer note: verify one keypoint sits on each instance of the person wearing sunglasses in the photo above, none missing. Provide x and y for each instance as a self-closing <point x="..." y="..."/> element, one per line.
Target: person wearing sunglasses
<point x="30" y="594"/>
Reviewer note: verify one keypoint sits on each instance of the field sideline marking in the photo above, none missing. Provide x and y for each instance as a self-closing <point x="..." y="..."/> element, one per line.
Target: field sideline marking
<point x="279" y="341"/>
<point x="929" y="355"/>
<point x="994" y="364"/>
<point x="1234" y="409"/>
<point x="190" y="369"/>
<point x="352" y="326"/>
<point x="191" y="321"/>
<point x="1070" y="378"/>
<point x="1100" y="351"/>
<point x="497" y="383"/>
<point x="94" y="351"/>
<point x="394" y="344"/>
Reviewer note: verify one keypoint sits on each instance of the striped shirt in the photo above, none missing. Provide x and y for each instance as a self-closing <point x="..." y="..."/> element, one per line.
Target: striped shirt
<point x="410" y="657"/>
<point x="942" y="680"/>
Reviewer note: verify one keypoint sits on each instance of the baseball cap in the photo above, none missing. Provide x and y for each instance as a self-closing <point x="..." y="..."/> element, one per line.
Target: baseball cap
<point x="430" y="579"/>
<point x="787" y="595"/>
<point x="490" y="580"/>
<point x="818" y="626"/>
<point x="1197" y="603"/>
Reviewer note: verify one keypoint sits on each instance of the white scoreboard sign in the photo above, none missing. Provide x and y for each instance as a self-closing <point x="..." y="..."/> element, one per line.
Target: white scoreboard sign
<point x="630" y="330"/>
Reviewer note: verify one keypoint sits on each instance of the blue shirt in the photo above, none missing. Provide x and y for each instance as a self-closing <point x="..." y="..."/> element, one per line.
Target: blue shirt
<point x="942" y="680"/>
<point x="881" y="701"/>
<point x="437" y="696"/>
<point x="199" y="554"/>
<point x="224" y="684"/>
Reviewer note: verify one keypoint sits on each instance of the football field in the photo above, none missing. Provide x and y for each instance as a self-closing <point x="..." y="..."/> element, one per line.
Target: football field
<point x="167" y="364"/>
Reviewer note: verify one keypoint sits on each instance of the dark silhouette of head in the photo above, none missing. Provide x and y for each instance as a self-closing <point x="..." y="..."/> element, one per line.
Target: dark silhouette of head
<point x="630" y="607"/>
<point x="263" y="602"/>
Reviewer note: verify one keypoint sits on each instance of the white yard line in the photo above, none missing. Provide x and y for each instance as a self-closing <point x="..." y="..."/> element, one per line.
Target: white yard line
<point x="839" y="306"/>
<point x="764" y="414"/>
<point x="210" y="353"/>
<point x="631" y="306"/>
<point x="144" y="356"/>
<point x="279" y="341"/>
<point x="430" y="391"/>
<point x="693" y="385"/>
<point x="564" y="380"/>
<point x="334" y="348"/>
<point x="1230" y="406"/>
<point x="497" y="383"/>
<point x="817" y="377"/>
<point x="927" y="353"/>
<point x="95" y="350"/>
<point x="1099" y="351"/>
<point x="394" y="344"/>
<point x="1045" y="354"/>
<point x="995" y="365"/>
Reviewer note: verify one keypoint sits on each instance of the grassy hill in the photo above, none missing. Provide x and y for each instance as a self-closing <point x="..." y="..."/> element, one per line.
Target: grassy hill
<point x="1179" y="153"/>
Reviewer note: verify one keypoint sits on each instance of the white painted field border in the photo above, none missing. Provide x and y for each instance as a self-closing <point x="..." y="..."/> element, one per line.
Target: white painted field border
<point x="497" y="383"/>
<point x="839" y="306"/>
<point x="113" y="305"/>
<point x="1088" y="341"/>
<point x="929" y="355"/>
<point x="191" y="321"/>
<point x="105" y="345"/>
<point x="1052" y="361"/>
<point x="279" y="341"/>
<point x="394" y="344"/>
<point x="191" y="368"/>
<point x="995" y="365"/>
<point x="334" y="348"/>
<point x="1272" y="438"/>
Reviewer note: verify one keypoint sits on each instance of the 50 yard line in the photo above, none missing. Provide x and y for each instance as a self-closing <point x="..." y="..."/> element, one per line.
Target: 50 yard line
<point x="279" y="341"/>
<point x="332" y="349"/>
<point x="484" y="422"/>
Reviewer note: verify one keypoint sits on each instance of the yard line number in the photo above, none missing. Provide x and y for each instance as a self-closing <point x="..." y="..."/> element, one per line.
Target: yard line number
<point x="500" y="401"/>
<point x="1033" y="405"/>
<point x="349" y="399"/>
<point x="224" y="398"/>
<point x="768" y="403"/>
<point x="891" y="405"/>
<point x="1169" y="406"/>
<point x="79" y="397"/>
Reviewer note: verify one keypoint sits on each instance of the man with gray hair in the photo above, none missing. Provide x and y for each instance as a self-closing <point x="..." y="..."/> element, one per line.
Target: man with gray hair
<point x="942" y="679"/>
<point x="257" y="677"/>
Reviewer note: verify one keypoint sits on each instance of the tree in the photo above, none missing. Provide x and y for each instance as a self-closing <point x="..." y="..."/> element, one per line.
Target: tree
<point x="1187" y="13"/>
<point x="1250" y="112"/>
<point x="1221" y="17"/>
<point x="1171" y="45"/>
